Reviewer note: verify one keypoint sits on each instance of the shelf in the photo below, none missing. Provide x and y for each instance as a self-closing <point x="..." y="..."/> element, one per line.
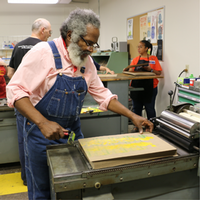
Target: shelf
<point x="6" y="49"/>
<point x="6" y="54"/>
<point x="190" y="91"/>
<point x="189" y="98"/>
<point x="188" y="95"/>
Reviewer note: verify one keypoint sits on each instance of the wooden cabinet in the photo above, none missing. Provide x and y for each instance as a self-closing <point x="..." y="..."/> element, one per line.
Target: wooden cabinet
<point x="5" y="54"/>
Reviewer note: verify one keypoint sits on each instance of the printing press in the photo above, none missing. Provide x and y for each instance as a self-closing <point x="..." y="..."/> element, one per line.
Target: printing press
<point x="177" y="177"/>
<point x="179" y="129"/>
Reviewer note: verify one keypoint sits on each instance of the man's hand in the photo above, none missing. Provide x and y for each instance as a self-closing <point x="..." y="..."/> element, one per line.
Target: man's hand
<point x="102" y="68"/>
<point x="142" y="122"/>
<point x="52" y="130"/>
<point x="139" y="121"/>
<point x="109" y="71"/>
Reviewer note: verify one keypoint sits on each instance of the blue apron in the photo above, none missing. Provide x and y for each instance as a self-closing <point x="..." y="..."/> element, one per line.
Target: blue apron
<point x="61" y="104"/>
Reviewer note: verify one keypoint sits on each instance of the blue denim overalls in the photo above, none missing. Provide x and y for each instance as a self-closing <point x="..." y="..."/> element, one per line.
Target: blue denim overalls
<point x="61" y="104"/>
<point x="20" y="127"/>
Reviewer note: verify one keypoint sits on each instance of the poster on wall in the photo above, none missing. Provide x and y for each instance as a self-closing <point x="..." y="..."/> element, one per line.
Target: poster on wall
<point x="160" y="21"/>
<point x="148" y="27"/>
<point x="130" y="29"/>
<point x="143" y="27"/>
<point x="154" y="31"/>
<point x="153" y="27"/>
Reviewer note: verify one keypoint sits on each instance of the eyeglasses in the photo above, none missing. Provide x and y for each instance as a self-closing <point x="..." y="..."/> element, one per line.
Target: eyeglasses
<point x="50" y="31"/>
<point x="139" y="47"/>
<point x="90" y="45"/>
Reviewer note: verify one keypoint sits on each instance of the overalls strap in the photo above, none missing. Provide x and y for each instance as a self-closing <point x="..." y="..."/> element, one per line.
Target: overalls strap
<point x="56" y="55"/>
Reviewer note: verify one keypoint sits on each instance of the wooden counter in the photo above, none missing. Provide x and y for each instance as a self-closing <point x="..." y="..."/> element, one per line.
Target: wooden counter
<point x="123" y="77"/>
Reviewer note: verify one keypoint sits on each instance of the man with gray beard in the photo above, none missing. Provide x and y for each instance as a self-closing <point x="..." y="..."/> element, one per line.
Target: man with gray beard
<point x="49" y="89"/>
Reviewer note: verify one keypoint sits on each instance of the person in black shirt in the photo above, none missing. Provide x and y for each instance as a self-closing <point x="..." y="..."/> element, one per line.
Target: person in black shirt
<point x="41" y="31"/>
<point x="102" y="68"/>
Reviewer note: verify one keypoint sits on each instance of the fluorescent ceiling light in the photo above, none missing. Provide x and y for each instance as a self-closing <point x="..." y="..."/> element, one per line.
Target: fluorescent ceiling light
<point x="64" y="1"/>
<point x="34" y="1"/>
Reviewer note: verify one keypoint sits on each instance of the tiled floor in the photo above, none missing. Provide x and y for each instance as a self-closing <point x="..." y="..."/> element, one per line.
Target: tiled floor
<point x="15" y="167"/>
<point x="19" y="196"/>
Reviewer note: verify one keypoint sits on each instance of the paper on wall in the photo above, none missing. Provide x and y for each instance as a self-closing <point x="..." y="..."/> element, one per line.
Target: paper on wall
<point x="153" y="27"/>
<point x="160" y="22"/>
<point x="143" y="27"/>
<point x="130" y="29"/>
<point x="148" y="27"/>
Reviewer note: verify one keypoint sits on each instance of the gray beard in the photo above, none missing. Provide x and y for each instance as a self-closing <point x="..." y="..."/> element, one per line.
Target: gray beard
<point x="75" y="55"/>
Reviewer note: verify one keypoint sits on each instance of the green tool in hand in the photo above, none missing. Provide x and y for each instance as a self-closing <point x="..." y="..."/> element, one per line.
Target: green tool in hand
<point x="71" y="137"/>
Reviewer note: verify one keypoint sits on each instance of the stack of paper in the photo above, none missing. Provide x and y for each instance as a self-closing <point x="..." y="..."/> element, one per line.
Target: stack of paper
<point x="114" y="150"/>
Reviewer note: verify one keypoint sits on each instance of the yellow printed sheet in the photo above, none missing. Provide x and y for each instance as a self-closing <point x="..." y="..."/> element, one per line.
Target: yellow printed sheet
<point x="114" y="150"/>
<point x="90" y="110"/>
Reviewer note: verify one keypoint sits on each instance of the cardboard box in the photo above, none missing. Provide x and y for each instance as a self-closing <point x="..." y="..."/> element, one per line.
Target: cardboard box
<point x="114" y="150"/>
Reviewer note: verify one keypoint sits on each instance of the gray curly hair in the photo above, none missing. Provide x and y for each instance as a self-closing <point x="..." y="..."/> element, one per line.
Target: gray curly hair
<point x="77" y="22"/>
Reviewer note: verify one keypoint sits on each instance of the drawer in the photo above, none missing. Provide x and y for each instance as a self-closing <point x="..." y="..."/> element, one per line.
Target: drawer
<point x="8" y="141"/>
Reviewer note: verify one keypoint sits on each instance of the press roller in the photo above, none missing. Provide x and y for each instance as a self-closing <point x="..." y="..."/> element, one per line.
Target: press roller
<point x="179" y="129"/>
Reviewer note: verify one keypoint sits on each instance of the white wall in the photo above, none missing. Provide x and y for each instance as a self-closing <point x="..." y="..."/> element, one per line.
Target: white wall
<point x="181" y="42"/>
<point x="17" y="19"/>
<point x="181" y="39"/>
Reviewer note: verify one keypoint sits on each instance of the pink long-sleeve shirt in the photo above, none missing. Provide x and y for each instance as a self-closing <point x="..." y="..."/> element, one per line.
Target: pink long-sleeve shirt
<point x="37" y="73"/>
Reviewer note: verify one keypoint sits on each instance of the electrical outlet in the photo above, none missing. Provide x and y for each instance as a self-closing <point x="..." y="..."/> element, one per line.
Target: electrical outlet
<point x="187" y="68"/>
